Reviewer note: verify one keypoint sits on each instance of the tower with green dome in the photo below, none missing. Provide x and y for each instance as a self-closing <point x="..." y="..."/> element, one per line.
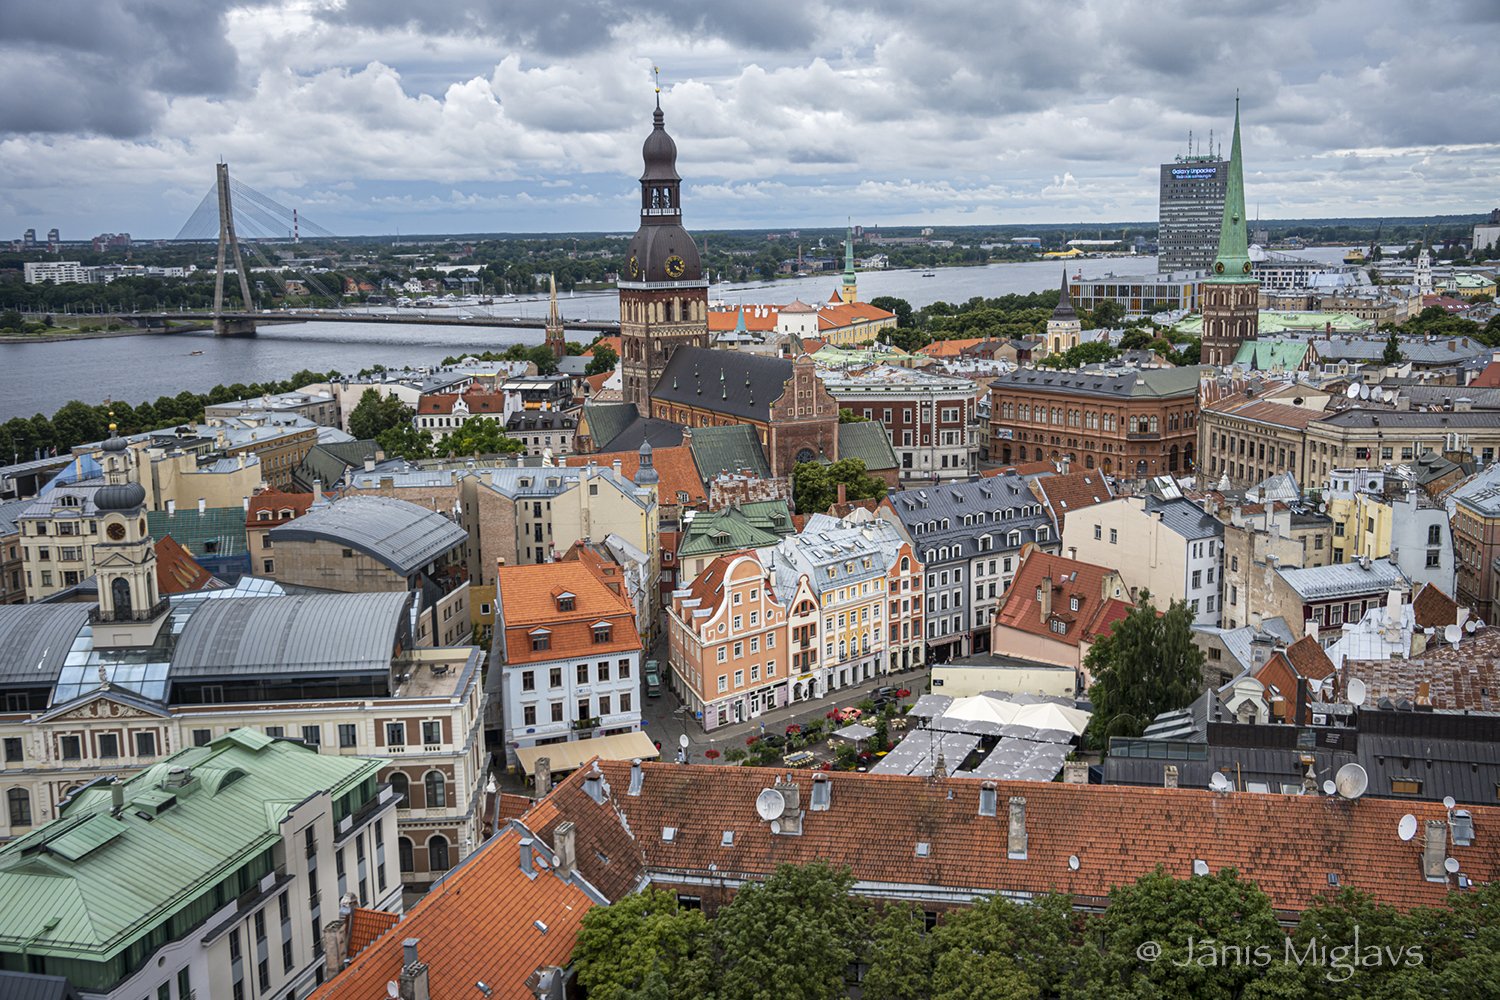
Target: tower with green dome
<point x="1231" y="295"/>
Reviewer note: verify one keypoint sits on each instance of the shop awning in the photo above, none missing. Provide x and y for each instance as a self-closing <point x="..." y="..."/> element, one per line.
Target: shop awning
<point x="573" y="754"/>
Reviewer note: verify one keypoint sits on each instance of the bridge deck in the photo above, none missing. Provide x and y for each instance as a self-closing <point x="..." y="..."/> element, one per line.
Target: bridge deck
<point x="421" y="319"/>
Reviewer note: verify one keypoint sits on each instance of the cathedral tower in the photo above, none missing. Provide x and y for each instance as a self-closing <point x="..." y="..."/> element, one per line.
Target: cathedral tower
<point x="556" y="338"/>
<point x="849" y="290"/>
<point x="1231" y="295"/>
<point x="663" y="294"/>
<point x="1064" y="329"/>
<point x="131" y="609"/>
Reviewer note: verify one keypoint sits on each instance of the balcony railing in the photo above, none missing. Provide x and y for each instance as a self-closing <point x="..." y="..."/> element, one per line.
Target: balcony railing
<point x="1143" y="436"/>
<point x="97" y="616"/>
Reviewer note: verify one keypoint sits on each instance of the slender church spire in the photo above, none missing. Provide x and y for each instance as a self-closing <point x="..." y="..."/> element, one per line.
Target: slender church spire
<point x="1233" y="261"/>
<point x="849" y="290"/>
<point x="556" y="338"/>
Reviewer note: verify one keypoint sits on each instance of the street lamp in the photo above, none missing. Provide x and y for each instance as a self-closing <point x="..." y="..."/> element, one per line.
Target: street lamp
<point x="494" y="792"/>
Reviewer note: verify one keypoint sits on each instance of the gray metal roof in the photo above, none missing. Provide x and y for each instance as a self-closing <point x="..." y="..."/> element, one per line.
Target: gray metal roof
<point x="868" y="441"/>
<point x="1142" y="382"/>
<point x="1186" y="518"/>
<point x="35" y="639"/>
<point x="996" y="505"/>
<point x="1322" y="583"/>
<point x="731" y="382"/>
<point x="399" y="534"/>
<point x="29" y="986"/>
<point x="9" y="512"/>
<point x="323" y="633"/>
<point x="1401" y="419"/>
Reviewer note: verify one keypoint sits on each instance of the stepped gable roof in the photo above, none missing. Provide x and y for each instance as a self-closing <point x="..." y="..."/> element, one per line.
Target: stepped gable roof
<point x="399" y="534"/>
<point x="683" y="816"/>
<point x="734" y="383"/>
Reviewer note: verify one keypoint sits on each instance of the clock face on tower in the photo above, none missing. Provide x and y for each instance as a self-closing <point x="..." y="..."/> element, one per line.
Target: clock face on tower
<point x="115" y="532"/>
<point x="675" y="266"/>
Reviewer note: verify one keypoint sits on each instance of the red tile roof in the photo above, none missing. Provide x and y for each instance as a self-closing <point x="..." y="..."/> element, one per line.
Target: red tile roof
<point x="1307" y="658"/>
<point x="274" y="503"/>
<point x="950" y="348"/>
<point x="480" y="924"/>
<point x="366" y="926"/>
<point x="837" y="315"/>
<point x="1454" y="679"/>
<point x="1065" y="493"/>
<point x="674" y="466"/>
<point x="177" y="572"/>
<point x="1302" y="660"/>
<point x="1071" y="579"/>
<point x="1489" y="378"/>
<point x="761" y="319"/>
<point x="874" y="823"/>
<point x="528" y="597"/>
<point x="476" y="399"/>
<point x="1433" y="609"/>
<point x="611" y="341"/>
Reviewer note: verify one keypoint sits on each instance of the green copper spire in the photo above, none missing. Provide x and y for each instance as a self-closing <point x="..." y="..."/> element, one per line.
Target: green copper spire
<point x="848" y="292"/>
<point x="1233" y="261"/>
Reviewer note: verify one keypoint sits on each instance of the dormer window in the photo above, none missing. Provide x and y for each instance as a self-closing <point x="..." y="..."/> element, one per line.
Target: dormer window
<point x="1075" y="602"/>
<point x="264" y="515"/>
<point x="286" y="513"/>
<point x="541" y="639"/>
<point x="1059" y="626"/>
<point x="565" y="601"/>
<point x="602" y="632"/>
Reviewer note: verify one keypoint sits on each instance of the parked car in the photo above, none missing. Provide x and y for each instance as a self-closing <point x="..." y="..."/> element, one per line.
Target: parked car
<point x="653" y="680"/>
<point x="887" y="692"/>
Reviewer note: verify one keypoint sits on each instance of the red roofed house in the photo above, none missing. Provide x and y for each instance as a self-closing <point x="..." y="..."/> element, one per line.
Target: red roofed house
<point x="1489" y="378"/>
<point x="1288" y="677"/>
<point x="441" y="413"/>
<point x="678" y="484"/>
<point x="267" y="509"/>
<point x="570" y="658"/>
<point x="846" y="323"/>
<point x="1071" y="491"/>
<point x="1056" y="608"/>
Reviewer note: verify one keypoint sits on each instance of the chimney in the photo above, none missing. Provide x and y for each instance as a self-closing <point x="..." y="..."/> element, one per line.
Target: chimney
<point x="117" y="796"/>
<point x="1310" y="629"/>
<point x="369" y="465"/>
<point x="335" y="946"/>
<point x="245" y="502"/>
<point x="843" y="494"/>
<point x="1393" y="605"/>
<point x="1016" y="835"/>
<point x="1169" y="776"/>
<point x="542" y="776"/>
<point x="1076" y="772"/>
<point x="617" y="466"/>
<point x="1046" y="598"/>
<point x="528" y="855"/>
<point x="1300" y="711"/>
<point x="202" y="505"/>
<point x="1435" y="851"/>
<point x="1072" y="552"/>
<point x="1255" y="620"/>
<point x="317" y="491"/>
<point x="564" y="842"/>
<point x="413" y="984"/>
<point x="594" y="786"/>
<point x="171" y="507"/>
<point x="636" y="779"/>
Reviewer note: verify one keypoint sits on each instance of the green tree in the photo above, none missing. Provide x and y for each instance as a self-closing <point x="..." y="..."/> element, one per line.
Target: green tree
<point x="815" y="486"/>
<point x="791" y="937"/>
<point x="899" y="956"/>
<point x="478" y="436"/>
<point x="1392" y="355"/>
<point x="1145" y="666"/>
<point x="848" y="416"/>
<point x="11" y="319"/>
<point x="900" y="307"/>
<point x="404" y="441"/>
<point x="604" y="360"/>
<point x="1001" y="948"/>
<point x="1108" y="314"/>
<point x="1186" y="918"/>
<point x="644" y="939"/>
<point x="375" y="414"/>
<point x="1088" y="353"/>
<point x="77" y="423"/>
<point x="1137" y="338"/>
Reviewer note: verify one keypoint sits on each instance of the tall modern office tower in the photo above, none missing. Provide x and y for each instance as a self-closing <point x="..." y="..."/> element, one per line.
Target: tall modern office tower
<point x="1191" y="205"/>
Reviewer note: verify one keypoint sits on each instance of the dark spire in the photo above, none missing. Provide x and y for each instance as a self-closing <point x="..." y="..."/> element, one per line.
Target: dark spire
<point x="1064" y="308"/>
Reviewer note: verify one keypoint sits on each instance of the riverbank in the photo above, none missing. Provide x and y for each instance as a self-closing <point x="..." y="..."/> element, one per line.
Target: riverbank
<point x="55" y="336"/>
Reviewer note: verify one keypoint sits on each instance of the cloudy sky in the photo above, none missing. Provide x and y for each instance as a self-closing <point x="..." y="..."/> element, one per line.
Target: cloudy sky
<point x="378" y="116"/>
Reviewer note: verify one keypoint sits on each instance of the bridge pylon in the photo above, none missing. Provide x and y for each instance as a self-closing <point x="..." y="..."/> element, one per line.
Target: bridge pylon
<point x="229" y="241"/>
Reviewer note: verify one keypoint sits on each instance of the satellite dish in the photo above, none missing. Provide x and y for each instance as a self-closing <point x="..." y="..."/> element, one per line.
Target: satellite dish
<point x="1352" y="392"/>
<point x="775" y="826"/>
<point x="1351" y="781"/>
<point x="1364" y="391"/>
<point x="770" y="804"/>
<point x="392" y="990"/>
<point x="1407" y="828"/>
<point x="1200" y="867"/>
<point x="1218" y="782"/>
<point x="1450" y="865"/>
<point x="1329" y="788"/>
<point x="1452" y="633"/>
<point x="1322" y="508"/>
<point x="1356" y="692"/>
<point x="1073" y="862"/>
<point x="1449" y="802"/>
<point x="682" y="741"/>
<point x="1470" y="627"/>
<point x="1376" y="394"/>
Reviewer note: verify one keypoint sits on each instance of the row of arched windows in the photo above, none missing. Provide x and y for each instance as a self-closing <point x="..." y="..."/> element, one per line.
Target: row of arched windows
<point x="434" y="784"/>
<point x="438" y="856"/>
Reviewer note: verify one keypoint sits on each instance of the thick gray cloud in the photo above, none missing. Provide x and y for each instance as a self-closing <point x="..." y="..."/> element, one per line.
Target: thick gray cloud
<point x="528" y="114"/>
<point x="108" y="66"/>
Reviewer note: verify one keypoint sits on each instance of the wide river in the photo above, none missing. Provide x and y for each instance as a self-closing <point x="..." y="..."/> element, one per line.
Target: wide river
<point x="39" y="378"/>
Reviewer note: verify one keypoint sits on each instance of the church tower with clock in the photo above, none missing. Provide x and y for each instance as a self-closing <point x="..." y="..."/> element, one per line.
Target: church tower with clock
<point x="131" y="609"/>
<point x="663" y="293"/>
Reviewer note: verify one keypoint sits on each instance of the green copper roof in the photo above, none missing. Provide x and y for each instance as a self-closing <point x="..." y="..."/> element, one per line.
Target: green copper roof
<point x="867" y="441"/>
<point x="90" y="883"/>
<point x="1271" y="355"/>
<point x="1233" y="262"/>
<point x="848" y="257"/>
<point x="1288" y="322"/>
<point x="748" y="526"/>
<point x="217" y="532"/>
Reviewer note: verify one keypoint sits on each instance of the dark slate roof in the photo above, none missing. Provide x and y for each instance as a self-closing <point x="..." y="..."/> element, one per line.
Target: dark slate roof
<point x="1147" y="382"/>
<point x="327" y="463"/>
<point x="36" y="638"/>
<point x="607" y="420"/>
<point x="1186" y="518"/>
<point x="729" y="382"/>
<point x="728" y="449"/>
<point x="399" y="534"/>
<point x="1353" y="417"/>
<point x="28" y="986"/>
<point x="540" y="420"/>
<point x="992" y="497"/>
<point x="321" y="633"/>
<point x="659" y="433"/>
<point x="216" y="531"/>
<point x="867" y="441"/>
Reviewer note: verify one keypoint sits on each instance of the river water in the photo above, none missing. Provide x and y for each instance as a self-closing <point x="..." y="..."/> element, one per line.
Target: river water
<point x="39" y="378"/>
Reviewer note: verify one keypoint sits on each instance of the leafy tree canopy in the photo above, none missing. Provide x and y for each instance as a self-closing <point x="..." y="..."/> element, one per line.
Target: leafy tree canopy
<point x="478" y="436"/>
<point x="604" y="360"/>
<point x="1145" y="666"/>
<point x="375" y="414"/>
<point x="815" y="486"/>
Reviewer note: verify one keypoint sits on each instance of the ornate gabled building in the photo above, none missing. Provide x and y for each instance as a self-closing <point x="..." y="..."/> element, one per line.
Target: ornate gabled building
<point x="663" y="294"/>
<point x="1231" y="295"/>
